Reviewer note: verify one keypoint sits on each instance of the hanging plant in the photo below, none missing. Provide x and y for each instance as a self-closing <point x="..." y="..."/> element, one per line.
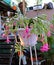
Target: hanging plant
<point x="35" y="26"/>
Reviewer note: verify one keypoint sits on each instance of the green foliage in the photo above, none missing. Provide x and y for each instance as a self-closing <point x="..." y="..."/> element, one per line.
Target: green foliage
<point x="51" y="43"/>
<point x="39" y="26"/>
<point x="17" y="47"/>
<point x="50" y="53"/>
<point x="52" y="21"/>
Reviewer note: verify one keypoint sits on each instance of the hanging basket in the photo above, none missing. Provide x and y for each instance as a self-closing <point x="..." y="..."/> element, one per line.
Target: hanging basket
<point x="30" y="41"/>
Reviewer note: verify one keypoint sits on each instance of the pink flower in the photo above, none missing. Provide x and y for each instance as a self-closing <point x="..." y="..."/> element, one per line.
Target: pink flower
<point x="14" y="23"/>
<point x="28" y="36"/>
<point x="8" y="41"/>
<point x="51" y="25"/>
<point x="44" y="48"/>
<point x="49" y="34"/>
<point x="3" y="35"/>
<point x="26" y="32"/>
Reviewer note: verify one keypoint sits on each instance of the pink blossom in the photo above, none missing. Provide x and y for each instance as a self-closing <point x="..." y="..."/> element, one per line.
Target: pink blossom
<point x="48" y="33"/>
<point x="7" y="40"/>
<point x="3" y="35"/>
<point x="44" y="48"/>
<point x="26" y="32"/>
<point x="14" y="23"/>
<point x="28" y="35"/>
<point x="51" y="25"/>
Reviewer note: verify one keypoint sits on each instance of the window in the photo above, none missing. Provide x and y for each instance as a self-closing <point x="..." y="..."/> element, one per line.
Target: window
<point x="33" y="2"/>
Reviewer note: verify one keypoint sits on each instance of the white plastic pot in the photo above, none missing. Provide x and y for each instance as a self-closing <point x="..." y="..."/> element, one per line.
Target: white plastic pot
<point x="31" y="41"/>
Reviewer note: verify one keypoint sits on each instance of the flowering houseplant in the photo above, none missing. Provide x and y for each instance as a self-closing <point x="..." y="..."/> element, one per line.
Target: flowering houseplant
<point x="38" y="26"/>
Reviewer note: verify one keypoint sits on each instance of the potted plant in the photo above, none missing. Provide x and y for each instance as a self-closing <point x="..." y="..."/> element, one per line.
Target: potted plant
<point x="29" y="30"/>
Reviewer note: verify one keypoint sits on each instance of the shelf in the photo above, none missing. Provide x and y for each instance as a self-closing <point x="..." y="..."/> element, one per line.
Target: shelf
<point x="5" y="7"/>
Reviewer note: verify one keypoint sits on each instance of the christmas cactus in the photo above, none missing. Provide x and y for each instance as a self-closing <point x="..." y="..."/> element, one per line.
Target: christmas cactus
<point x="38" y="26"/>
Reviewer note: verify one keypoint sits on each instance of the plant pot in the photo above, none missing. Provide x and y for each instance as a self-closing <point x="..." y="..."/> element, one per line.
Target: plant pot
<point x="30" y="41"/>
